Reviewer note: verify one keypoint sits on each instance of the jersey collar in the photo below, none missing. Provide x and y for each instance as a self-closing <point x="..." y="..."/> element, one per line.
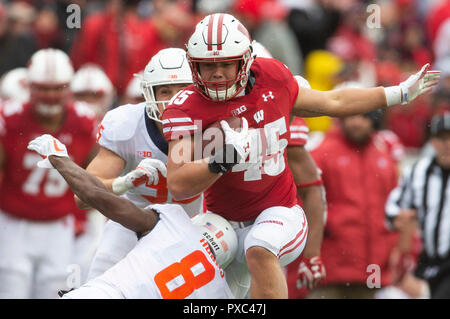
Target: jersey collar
<point x="155" y="136"/>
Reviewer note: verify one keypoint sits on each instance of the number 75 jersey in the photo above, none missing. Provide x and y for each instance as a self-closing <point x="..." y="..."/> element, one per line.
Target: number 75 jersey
<point x="30" y="192"/>
<point x="264" y="180"/>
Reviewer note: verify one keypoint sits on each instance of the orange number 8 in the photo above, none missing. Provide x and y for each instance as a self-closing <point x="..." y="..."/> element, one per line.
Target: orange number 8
<point x="183" y="268"/>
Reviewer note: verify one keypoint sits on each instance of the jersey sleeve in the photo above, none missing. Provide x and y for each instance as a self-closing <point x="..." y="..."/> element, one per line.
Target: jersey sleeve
<point x="177" y="123"/>
<point x="114" y="134"/>
<point x="298" y="132"/>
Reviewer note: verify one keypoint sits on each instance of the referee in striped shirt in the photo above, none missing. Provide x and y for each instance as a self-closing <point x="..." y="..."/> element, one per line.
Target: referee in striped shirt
<point x="423" y="195"/>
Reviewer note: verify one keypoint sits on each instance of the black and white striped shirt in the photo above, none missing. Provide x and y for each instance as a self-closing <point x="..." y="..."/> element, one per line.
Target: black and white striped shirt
<point x="425" y="187"/>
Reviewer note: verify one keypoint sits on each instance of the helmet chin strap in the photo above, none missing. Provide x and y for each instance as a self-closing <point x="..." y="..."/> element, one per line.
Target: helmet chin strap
<point x="49" y="109"/>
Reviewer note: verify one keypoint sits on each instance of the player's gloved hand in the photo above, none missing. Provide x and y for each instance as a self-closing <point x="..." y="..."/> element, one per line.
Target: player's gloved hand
<point x="145" y="172"/>
<point x="46" y="145"/>
<point x="417" y="84"/>
<point x="239" y="140"/>
<point x="310" y="272"/>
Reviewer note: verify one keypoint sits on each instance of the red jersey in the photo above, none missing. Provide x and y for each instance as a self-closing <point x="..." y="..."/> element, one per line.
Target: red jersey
<point x="26" y="190"/>
<point x="263" y="181"/>
<point x="299" y="132"/>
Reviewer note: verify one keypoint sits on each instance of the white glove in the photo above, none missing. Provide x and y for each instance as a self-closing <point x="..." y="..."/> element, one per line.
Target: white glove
<point x="417" y="84"/>
<point x="46" y="145"/>
<point x="145" y="172"/>
<point x="239" y="140"/>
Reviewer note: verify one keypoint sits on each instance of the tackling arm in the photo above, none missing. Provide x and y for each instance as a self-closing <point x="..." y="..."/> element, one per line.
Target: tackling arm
<point x="106" y="166"/>
<point x="92" y="191"/>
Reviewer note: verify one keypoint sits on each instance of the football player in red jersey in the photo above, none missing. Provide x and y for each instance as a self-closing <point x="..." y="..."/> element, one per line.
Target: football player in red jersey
<point x="36" y="237"/>
<point x="255" y="188"/>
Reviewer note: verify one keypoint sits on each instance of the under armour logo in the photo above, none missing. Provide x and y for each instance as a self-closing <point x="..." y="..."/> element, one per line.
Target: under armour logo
<point x="269" y="95"/>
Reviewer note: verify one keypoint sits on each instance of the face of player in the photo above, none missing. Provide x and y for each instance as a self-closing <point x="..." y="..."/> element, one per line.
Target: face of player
<point x="441" y="144"/>
<point x="166" y="92"/>
<point x="49" y="99"/>
<point x="357" y="128"/>
<point x="218" y="71"/>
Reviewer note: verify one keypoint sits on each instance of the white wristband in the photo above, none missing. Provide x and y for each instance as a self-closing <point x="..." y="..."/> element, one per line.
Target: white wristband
<point x="393" y="95"/>
<point x="118" y="186"/>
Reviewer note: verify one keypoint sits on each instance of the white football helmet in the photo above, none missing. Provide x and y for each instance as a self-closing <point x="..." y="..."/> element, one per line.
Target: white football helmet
<point x="50" y="66"/>
<point x="14" y="85"/>
<point x="91" y="85"/>
<point x="168" y="66"/>
<point x="220" y="236"/>
<point x="49" y="74"/>
<point x="220" y="37"/>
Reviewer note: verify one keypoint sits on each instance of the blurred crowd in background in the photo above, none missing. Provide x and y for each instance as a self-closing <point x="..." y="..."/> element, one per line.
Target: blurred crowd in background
<point x="329" y="42"/>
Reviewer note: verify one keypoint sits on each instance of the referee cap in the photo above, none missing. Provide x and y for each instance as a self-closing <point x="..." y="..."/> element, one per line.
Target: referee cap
<point x="440" y="123"/>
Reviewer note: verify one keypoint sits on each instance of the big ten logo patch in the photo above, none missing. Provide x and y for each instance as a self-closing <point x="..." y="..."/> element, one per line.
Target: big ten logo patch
<point x="143" y="154"/>
<point x="241" y="109"/>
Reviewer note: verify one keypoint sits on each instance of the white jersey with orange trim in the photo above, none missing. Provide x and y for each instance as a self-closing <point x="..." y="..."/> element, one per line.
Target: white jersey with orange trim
<point x="131" y="134"/>
<point x="173" y="261"/>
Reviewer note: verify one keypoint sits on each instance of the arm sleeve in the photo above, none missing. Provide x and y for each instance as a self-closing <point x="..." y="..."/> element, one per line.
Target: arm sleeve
<point x="114" y="138"/>
<point x="176" y="124"/>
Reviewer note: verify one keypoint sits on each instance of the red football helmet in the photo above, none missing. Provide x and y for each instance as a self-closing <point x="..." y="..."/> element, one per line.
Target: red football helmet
<point x="220" y="37"/>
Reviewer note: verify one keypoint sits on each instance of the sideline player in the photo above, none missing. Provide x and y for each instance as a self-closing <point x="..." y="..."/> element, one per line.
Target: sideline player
<point x="258" y="192"/>
<point x="36" y="234"/>
<point x="172" y="260"/>
<point x="133" y="153"/>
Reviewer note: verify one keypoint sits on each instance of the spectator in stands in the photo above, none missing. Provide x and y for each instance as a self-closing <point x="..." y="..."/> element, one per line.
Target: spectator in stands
<point x="265" y="20"/>
<point x="118" y="40"/>
<point x="358" y="177"/>
<point x="15" y="49"/>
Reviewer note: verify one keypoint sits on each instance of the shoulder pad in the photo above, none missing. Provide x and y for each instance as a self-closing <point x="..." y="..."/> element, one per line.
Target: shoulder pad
<point x="120" y="124"/>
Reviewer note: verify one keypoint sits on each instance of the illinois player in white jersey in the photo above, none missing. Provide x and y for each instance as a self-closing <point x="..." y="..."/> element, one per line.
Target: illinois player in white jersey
<point x="133" y="153"/>
<point x="172" y="260"/>
<point x="258" y="190"/>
